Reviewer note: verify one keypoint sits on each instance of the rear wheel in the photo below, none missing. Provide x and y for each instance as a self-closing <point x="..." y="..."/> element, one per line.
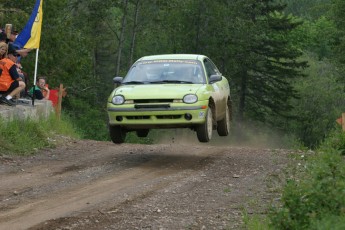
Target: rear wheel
<point x="204" y="131"/>
<point x="223" y="126"/>
<point x="142" y="132"/>
<point x="117" y="134"/>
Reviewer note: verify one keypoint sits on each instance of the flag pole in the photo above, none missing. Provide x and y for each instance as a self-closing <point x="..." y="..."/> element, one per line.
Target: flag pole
<point x="35" y="76"/>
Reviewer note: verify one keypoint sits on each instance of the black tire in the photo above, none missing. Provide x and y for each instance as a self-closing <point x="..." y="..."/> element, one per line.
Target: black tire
<point x="223" y="126"/>
<point x="142" y="132"/>
<point x="117" y="134"/>
<point x="204" y="131"/>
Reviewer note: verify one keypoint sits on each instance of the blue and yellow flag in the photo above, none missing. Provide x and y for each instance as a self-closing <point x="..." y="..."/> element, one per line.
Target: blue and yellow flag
<point x="30" y="36"/>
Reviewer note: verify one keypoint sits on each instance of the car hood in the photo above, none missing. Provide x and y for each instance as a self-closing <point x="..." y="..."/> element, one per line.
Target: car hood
<point x="161" y="91"/>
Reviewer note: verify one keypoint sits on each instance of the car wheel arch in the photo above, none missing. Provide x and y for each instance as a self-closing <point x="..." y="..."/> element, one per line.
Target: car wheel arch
<point x="229" y="102"/>
<point x="212" y="104"/>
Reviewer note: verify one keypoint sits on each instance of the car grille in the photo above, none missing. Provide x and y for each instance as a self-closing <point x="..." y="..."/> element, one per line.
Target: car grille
<point x="138" y="117"/>
<point x="145" y="101"/>
<point x="159" y="117"/>
<point x="169" y="117"/>
<point x="151" y="106"/>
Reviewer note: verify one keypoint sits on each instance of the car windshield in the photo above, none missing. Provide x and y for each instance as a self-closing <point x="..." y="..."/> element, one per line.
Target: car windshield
<point x="165" y="72"/>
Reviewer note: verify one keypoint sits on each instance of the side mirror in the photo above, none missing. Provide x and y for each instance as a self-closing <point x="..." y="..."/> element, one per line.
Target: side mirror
<point x="214" y="78"/>
<point x="117" y="80"/>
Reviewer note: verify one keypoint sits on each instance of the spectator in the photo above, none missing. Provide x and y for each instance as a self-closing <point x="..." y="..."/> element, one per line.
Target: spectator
<point x="10" y="83"/>
<point x="23" y="76"/>
<point x="23" y="52"/>
<point x="3" y="50"/>
<point x="40" y="90"/>
<point x="3" y="36"/>
<point x="13" y="36"/>
<point x="10" y="38"/>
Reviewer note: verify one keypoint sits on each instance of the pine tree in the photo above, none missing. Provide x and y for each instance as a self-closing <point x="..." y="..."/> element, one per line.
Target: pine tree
<point x="267" y="61"/>
<point x="339" y="48"/>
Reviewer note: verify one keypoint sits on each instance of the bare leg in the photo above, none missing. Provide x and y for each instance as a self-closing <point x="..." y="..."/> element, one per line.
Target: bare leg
<point x="16" y="91"/>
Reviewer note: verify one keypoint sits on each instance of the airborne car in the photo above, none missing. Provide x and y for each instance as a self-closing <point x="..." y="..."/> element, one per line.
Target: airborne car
<point x="170" y="91"/>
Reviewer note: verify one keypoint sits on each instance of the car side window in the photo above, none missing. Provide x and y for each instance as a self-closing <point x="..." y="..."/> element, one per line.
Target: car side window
<point x="211" y="69"/>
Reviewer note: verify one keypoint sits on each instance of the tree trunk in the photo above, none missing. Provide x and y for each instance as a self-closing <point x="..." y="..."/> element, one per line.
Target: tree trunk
<point x="198" y="28"/>
<point x="134" y="32"/>
<point x="243" y="89"/>
<point x="122" y="35"/>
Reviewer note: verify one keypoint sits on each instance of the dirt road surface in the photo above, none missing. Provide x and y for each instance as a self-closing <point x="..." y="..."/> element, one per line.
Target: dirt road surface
<point x="98" y="185"/>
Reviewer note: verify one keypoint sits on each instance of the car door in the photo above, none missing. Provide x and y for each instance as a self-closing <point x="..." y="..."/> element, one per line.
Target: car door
<point x="218" y="89"/>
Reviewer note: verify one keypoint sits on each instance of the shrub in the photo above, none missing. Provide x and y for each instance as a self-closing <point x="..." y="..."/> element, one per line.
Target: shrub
<point x="317" y="195"/>
<point x="335" y="141"/>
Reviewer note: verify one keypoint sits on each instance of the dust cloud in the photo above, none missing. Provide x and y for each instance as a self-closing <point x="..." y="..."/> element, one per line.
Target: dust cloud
<point x="254" y="137"/>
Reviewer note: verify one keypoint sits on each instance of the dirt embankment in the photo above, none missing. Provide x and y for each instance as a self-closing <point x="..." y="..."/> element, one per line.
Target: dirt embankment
<point x="99" y="185"/>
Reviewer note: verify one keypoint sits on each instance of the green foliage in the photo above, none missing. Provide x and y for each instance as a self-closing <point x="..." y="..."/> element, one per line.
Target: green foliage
<point x="329" y="222"/>
<point x="335" y="140"/>
<point x="323" y="35"/>
<point x="337" y="13"/>
<point x="308" y="9"/>
<point x="320" y="103"/>
<point x="24" y="137"/>
<point x="318" y="36"/>
<point x="67" y="57"/>
<point x="267" y="62"/>
<point x="254" y="43"/>
<point x="15" y="12"/>
<point x="338" y="17"/>
<point x="90" y="121"/>
<point x="315" y="196"/>
<point x="255" y="222"/>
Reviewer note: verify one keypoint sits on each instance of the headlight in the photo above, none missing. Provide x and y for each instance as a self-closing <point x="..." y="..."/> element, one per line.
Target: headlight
<point x="190" y="98"/>
<point x="118" y="100"/>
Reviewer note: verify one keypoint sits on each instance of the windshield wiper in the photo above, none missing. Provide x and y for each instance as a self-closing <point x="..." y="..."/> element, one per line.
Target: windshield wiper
<point x="171" y="81"/>
<point x="134" y="82"/>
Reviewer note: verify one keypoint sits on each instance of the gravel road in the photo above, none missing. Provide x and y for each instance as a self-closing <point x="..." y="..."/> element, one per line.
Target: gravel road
<point x="86" y="184"/>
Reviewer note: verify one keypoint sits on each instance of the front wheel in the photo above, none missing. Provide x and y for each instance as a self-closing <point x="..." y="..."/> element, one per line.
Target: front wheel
<point x="223" y="126"/>
<point x="204" y="131"/>
<point x="117" y="134"/>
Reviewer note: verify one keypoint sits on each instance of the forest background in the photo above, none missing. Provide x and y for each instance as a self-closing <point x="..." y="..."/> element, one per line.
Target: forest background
<point x="283" y="58"/>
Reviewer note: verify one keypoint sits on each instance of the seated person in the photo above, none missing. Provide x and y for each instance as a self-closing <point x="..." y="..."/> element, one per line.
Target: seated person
<point x="40" y="90"/>
<point x="3" y="49"/>
<point x="10" y="83"/>
<point x="3" y="36"/>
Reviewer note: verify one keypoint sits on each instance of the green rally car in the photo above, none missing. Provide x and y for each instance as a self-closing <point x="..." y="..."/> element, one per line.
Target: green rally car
<point x="170" y="91"/>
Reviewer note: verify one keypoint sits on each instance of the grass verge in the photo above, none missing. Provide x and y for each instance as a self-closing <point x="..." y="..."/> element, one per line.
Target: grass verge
<point x="313" y="195"/>
<point x="24" y="137"/>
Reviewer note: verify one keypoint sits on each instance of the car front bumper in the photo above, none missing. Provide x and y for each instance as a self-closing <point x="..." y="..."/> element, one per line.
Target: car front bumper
<point x="163" y="115"/>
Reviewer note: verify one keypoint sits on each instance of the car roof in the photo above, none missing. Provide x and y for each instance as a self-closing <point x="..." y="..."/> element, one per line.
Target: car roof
<point x="174" y="56"/>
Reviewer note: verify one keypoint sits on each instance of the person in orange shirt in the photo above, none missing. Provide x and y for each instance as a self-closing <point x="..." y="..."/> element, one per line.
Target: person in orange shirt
<point x="10" y="82"/>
